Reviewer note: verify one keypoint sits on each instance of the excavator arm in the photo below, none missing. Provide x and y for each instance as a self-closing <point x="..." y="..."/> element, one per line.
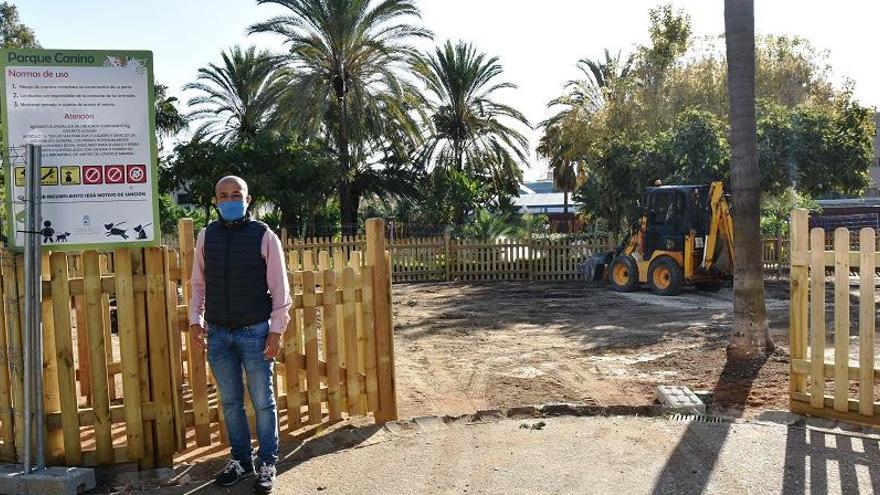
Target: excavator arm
<point x="720" y="227"/>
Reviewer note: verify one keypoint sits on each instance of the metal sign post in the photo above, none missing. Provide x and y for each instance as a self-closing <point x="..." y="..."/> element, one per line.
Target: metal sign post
<point x="34" y="416"/>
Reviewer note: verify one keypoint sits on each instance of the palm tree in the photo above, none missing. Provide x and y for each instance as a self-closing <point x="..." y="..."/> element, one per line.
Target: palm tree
<point x="239" y="96"/>
<point x="593" y="90"/>
<point x="751" y="333"/>
<point x="556" y="150"/>
<point x="471" y="131"/>
<point x="169" y="121"/>
<point x="347" y="57"/>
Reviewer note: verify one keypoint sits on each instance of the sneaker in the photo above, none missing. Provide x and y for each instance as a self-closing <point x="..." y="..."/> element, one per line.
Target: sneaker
<point x="234" y="472"/>
<point x="265" y="479"/>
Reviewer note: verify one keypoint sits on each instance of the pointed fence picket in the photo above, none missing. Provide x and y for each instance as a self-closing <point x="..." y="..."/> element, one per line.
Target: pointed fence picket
<point x="140" y="391"/>
<point x="841" y="384"/>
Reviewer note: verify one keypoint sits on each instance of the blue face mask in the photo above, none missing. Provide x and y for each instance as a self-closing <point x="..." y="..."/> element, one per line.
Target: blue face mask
<point x="232" y="210"/>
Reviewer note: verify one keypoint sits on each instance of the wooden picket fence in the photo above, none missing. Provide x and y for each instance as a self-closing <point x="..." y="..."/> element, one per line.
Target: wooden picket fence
<point x="430" y="259"/>
<point x="842" y="387"/>
<point x="144" y="393"/>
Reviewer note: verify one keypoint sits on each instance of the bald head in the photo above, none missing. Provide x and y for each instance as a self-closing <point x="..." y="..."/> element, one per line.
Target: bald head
<point x="231" y="188"/>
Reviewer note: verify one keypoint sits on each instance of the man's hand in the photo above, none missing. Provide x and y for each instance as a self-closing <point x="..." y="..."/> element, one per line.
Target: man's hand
<point x="273" y="343"/>
<point x="198" y="335"/>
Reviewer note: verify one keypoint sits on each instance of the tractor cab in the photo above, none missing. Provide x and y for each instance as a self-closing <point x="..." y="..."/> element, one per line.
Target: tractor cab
<point x="671" y="213"/>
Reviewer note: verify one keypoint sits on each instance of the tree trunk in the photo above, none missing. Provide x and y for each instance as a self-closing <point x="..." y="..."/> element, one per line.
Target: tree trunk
<point x="751" y="335"/>
<point x="567" y="223"/>
<point x="459" y="167"/>
<point x="349" y="202"/>
<point x="348" y="210"/>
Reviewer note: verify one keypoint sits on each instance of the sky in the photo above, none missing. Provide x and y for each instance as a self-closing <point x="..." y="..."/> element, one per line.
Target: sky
<point x="538" y="42"/>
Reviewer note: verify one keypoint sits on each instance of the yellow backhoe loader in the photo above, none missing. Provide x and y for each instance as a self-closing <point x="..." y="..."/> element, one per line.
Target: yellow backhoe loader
<point x="684" y="237"/>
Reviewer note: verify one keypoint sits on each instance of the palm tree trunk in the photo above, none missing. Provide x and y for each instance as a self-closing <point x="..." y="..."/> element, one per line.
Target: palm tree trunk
<point x="459" y="167"/>
<point x="751" y="335"/>
<point x="567" y="222"/>
<point x="348" y="208"/>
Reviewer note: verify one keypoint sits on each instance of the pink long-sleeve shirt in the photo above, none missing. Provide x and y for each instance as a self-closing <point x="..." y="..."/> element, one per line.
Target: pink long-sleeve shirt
<point x="276" y="280"/>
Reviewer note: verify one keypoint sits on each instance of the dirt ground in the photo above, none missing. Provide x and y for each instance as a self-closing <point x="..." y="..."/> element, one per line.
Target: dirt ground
<point x="466" y="347"/>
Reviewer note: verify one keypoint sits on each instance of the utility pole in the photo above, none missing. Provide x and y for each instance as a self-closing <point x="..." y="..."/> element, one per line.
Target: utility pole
<point x="33" y="336"/>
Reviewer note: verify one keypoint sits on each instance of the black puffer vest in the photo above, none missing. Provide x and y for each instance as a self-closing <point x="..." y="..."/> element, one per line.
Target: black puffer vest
<point x="236" y="293"/>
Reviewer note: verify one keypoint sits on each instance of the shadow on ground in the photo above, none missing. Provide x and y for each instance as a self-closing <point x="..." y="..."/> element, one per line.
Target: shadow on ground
<point x="856" y="458"/>
<point x="600" y="319"/>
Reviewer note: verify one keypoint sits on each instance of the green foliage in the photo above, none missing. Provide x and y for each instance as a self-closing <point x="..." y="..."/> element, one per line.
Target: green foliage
<point x="666" y="117"/>
<point x="832" y="149"/>
<point x="170" y="213"/>
<point x="236" y="100"/>
<point x="345" y="86"/>
<point x="272" y="219"/>
<point x="693" y="151"/>
<point x="195" y="169"/>
<point x="776" y="209"/>
<point x="169" y="120"/>
<point x="533" y="224"/>
<point x="296" y="177"/>
<point x="471" y="132"/>
<point x="14" y="33"/>
<point x="613" y="185"/>
<point x="558" y="153"/>
<point x="488" y="226"/>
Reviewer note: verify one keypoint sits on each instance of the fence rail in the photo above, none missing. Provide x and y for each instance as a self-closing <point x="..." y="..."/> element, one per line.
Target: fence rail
<point x="842" y="388"/>
<point x="428" y="259"/>
<point x="442" y="258"/>
<point x="125" y="382"/>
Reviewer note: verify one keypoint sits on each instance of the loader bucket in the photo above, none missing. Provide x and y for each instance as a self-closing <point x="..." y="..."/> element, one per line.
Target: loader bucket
<point x="595" y="268"/>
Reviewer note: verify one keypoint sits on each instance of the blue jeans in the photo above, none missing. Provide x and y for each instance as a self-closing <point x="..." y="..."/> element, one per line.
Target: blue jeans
<point x="231" y="350"/>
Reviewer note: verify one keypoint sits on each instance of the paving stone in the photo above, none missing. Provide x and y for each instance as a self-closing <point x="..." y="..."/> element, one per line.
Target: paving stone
<point x="51" y="481"/>
<point x="679" y="399"/>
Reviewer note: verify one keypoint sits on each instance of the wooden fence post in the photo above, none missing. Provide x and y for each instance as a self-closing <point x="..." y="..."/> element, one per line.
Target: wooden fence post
<point x="64" y="354"/>
<point x="383" y="328"/>
<point x="196" y="359"/>
<point x="52" y="401"/>
<point x="91" y="271"/>
<point x="6" y="418"/>
<point x="446" y="258"/>
<point x="530" y="259"/>
<point x="128" y="342"/>
<point x="841" y="319"/>
<point x="817" y="318"/>
<point x="777" y="249"/>
<point x="799" y="283"/>
<point x="867" y="312"/>
<point x="160" y="368"/>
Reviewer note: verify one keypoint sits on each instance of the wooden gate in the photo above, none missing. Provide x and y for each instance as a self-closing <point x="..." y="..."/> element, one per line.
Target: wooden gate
<point x="838" y="384"/>
<point x="123" y="382"/>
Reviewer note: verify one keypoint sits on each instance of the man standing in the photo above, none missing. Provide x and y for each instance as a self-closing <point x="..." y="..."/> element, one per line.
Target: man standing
<point x="240" y="294"/>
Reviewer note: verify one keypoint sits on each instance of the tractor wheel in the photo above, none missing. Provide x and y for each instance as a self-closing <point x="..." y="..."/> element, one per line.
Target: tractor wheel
<point x="665" y="276"/>
<point x="624" y="274"/>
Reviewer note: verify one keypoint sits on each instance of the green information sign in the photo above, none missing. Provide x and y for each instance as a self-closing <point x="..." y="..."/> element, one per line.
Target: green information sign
<point x="93" y="114"/>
